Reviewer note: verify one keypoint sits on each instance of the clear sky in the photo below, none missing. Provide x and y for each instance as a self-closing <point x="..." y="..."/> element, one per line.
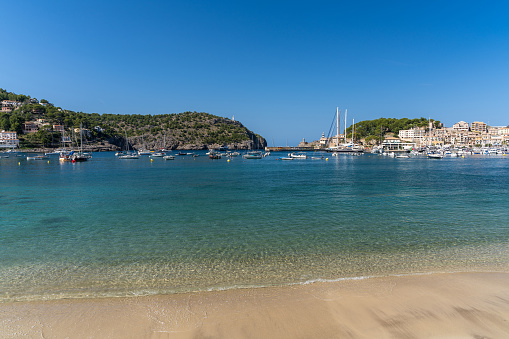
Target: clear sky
<point x="279" y="67"/>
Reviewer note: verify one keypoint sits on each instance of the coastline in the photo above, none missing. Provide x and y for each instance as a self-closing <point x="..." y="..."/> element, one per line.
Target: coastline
<point x="463" y="305"/>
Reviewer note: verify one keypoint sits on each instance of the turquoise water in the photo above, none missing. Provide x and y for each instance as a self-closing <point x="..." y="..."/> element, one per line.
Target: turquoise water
<point x="111" y="227"/>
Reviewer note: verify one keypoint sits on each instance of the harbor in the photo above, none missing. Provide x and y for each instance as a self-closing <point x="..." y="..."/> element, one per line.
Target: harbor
<point x="311" y="149"/>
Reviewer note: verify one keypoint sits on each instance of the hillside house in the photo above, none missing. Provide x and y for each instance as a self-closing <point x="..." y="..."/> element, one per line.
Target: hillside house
<point x="30" y="127"/>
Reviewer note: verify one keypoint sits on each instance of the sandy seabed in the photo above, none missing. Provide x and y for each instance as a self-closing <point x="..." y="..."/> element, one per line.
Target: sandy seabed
<point x="452" y="305"/>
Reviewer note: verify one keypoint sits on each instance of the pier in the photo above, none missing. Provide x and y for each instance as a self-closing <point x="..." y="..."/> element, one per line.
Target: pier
<point x="311" y="149"/>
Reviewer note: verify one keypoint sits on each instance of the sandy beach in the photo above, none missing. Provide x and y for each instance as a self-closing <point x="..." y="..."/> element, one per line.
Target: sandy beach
<point x="453" y="305"/>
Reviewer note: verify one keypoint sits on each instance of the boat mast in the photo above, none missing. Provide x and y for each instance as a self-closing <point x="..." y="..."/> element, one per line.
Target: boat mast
<point x="337" y="135"/>
<point x="429" y="136"/>
<point x="81" y="137"/>
<point x="346" y="111"/>
<point x="126" y="142"/>
<point x="353" y="128"/>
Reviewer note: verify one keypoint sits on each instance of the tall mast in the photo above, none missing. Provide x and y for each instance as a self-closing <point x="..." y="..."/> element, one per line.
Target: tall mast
<point x="81" y="137"/>
<point x="337" y="134"/>
<point x="346" y="111"/>
<point x="429" y="128"/>
<point x="353" y="128"/>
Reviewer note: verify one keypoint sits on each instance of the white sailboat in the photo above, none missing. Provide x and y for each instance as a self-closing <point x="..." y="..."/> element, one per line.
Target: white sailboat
<point x="128" y="155"/>
<point x="144" y="150"/>
<point x="80" y="156"/>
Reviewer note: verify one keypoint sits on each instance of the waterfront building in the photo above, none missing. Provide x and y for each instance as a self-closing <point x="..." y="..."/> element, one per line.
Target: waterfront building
<point x="392" y="144"/>
<point x="460" y="138"/>
<point x="9" y="139"/>
<point x="414" y="133"/>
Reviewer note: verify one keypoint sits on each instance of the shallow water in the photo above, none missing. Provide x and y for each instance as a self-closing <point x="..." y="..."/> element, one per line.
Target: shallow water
<point x="128" y="227"/>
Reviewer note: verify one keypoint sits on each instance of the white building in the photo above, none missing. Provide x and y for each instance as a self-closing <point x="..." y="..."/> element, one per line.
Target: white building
<point x="414" y="133"/>
<point x="461" y="126"/>
<point x="9" y="139"/>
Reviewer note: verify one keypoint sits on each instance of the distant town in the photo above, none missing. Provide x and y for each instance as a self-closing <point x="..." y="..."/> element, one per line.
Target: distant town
<point x="461" y="134"/>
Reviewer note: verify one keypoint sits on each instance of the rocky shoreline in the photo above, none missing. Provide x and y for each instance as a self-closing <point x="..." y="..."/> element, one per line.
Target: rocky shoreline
<point x="109" y="147"/>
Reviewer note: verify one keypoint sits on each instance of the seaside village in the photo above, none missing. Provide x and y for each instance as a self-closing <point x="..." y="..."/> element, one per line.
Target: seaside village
<point x="462" y="138"/>
<point x="474" y="138"/>
<point x="9" y="139"/>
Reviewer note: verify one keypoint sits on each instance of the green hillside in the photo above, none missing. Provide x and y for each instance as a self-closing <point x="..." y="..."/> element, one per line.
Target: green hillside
<point x="188" y="130"/>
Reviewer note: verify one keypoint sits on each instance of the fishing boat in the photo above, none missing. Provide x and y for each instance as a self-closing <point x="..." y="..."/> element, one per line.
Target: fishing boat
<point x="169" y="157"/>
<point x="435" y="156"/>
<point x="158" y="155"/>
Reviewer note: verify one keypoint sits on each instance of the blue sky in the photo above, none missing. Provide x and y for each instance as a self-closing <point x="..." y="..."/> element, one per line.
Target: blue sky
<point x="279" y="67"/>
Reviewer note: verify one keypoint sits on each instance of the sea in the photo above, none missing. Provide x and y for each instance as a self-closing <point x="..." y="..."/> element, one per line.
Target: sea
<point x="110" y="227"/>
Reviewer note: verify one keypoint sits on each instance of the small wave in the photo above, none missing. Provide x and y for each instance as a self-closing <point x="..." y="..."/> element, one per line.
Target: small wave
<point x="147" y="292"/>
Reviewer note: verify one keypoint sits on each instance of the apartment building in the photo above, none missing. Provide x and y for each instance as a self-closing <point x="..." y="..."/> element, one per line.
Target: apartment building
<point x="461" y="126"/>
<point x="478" y="126"/>
<point x="412" y="134"/>
<point x="9" y="139"/>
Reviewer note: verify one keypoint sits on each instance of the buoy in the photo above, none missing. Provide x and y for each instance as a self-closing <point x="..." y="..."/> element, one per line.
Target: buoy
<point x="228" y="160"/>
<point x="19" y="163"/>
<point x="48" y="161"/>
<point x="151" y="160"/>
<point x="326" y="159"/>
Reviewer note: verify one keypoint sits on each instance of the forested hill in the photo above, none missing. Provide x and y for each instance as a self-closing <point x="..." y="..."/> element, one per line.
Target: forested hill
<point x="188" y="130"/>
<point x="371" y="129"/>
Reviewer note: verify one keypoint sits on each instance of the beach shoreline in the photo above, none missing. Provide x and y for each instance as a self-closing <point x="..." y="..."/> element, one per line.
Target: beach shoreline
<point x="460" y="305"/>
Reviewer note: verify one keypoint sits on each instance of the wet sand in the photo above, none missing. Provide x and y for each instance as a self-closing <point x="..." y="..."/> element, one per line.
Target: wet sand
<point x="454" y="305"/>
